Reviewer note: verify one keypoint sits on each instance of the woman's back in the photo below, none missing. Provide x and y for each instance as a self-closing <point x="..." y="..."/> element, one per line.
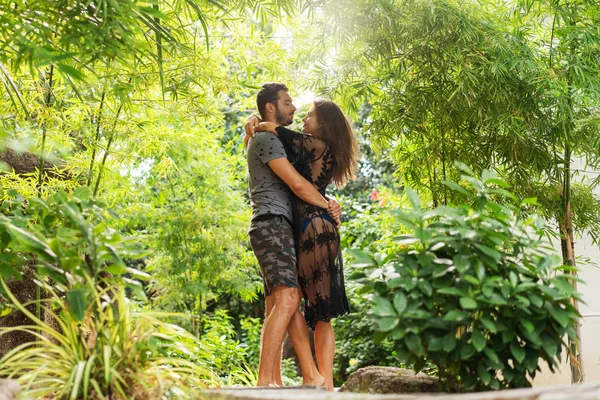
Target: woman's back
<point x="320" y="269"/>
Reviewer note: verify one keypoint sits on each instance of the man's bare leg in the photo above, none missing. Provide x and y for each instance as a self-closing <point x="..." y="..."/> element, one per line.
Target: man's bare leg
<point x="325" y="349"/>
<point x="285" y="303"/>
<point x="269" y="303"/>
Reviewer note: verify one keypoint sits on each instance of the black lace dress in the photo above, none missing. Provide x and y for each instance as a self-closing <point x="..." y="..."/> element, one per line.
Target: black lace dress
<point x="320" y="267"/>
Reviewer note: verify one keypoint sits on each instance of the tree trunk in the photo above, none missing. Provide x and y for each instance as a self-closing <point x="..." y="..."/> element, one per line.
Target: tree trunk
<point x="568" y="253"/>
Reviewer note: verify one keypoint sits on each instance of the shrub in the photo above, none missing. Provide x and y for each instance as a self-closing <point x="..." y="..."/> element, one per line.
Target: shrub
<point x="113" y="352"/>
<point x="101" y="347"/>
<point x="476" y="292"/>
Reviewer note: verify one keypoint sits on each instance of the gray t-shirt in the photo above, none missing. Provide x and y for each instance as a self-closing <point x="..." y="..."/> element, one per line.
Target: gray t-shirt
<point x="268" y="193"/>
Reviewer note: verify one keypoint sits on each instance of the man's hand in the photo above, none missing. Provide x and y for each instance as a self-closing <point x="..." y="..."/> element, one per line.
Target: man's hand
<point x="335" y="211"/>
<point x="251" y="122"/>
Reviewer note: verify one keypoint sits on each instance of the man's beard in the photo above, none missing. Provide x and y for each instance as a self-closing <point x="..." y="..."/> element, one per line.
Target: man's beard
<point x="283" y="119"/>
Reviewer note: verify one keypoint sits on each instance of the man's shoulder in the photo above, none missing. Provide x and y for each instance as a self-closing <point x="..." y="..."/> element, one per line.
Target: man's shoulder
<point x="262" y="139"/>
<point x="265" y="136"/>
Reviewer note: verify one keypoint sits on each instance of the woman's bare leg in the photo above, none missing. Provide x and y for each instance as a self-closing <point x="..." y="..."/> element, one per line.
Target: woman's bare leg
<point x="325" y="349"/>
<point x="298" y="332"/>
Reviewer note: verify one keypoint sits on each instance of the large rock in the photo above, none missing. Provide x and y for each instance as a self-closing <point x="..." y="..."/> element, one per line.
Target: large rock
<point x="9" y="389"/>
<point x="390" y="380"/>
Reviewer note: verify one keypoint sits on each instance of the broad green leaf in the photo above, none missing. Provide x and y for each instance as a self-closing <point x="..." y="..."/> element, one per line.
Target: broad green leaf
<point x="7" y="271"/>
<point x="491" y="355"/>
<point x="561" y="316"/>
<point x="413" y="343"/>
<point x="517" y="351"/>
<point x="508" y="335"/>
<point x="461" y="262"/>
<point x="513" y="279"/>
<point x="535" y="299"/>
<point x="413" y="197"/>
<point x="523" y="300"/>
<point x="31" y="242"/>
<point x="398" y="333"/>
<point x="426" y="288"/>
<point x="383" y="307"/>
<point x="563" y="285"/>
<point x="83" y="193"/>
<point x="550" y="344"/>
<point x="488" y="324"/>
<point x="77" y="302"/>
<point x="115" y="269"/>
<point x="488" y="251"/>
<point x="468" y="303"/>
<point x="528" y="325"/>
<point x="360" y="259"/>
<point x="457" y="188"/>
<point x="386" y="324"/>
<point x="484" y="374"/>
<point x="472" y="280"/>
<point x="478" y="340"/>
<point x="456" y="316"/>
<point x="400" y="302"/>
<point x="403" y="354"/>
<point x="435" y="344"/>
<point x="451" y="291"/>
<point x="466" y="351"/>
<point x="449" y="342"/>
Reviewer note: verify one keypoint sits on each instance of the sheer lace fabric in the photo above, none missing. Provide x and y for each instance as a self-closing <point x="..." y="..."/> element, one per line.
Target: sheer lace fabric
<point x="320" y="266"/>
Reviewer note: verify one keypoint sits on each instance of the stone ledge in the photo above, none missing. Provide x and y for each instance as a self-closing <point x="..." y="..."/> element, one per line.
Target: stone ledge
<point x="585" y="391"/>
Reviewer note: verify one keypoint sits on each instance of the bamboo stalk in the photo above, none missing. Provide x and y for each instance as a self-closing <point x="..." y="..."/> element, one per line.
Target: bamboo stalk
<point x="112" y="135"/>
<point x="96" y="137"/>
<point x="47" y="98"/>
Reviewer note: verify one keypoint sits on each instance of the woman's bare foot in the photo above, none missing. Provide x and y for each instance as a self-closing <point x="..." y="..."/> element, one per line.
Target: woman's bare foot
<point x="318" y="380"/>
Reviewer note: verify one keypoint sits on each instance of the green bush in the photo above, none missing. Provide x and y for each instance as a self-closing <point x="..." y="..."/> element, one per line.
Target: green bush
<point x="355" y="345"/>
<point x="476" y="292"/>
<point x="115" y="352"/>
<point x="69" y="239"/>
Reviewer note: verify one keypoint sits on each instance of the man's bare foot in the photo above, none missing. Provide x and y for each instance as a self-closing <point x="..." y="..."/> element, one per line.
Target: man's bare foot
<point x="318" y="380"/>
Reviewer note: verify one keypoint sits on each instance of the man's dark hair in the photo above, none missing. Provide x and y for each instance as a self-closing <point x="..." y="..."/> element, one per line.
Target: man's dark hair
<point x="268" y="94"/>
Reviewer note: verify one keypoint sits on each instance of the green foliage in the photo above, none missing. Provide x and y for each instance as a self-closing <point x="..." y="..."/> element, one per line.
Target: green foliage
<point x="250" y="338"/>
<point x="195" y="220"/>
<point x="113" y="351"/>
<point x="355" y="345"/>
<point x="69" y="239"/>
<point x="366" y="235"/>
<point x="227" y="356"/>
<point x="475" y="292"/>
<point x="509" y="87"/>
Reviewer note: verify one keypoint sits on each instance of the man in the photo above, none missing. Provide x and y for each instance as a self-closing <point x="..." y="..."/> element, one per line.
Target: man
<point x="271" y="177"/>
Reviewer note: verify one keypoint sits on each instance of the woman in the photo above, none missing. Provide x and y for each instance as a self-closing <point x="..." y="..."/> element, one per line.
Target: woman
<point x="325" y="152"/>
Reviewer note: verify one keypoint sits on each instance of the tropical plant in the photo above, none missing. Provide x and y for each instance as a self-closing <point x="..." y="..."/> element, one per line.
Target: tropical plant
<point x="105" y="350"/>
<point x="478" y="292"/>
<point x="69" y="239"/>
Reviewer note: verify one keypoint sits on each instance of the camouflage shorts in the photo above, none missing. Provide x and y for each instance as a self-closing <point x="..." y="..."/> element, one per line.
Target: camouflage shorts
<point x="273" y="243"/>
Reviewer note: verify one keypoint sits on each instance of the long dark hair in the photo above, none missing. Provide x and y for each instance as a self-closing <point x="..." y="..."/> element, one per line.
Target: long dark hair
<point x="337" y="132"/>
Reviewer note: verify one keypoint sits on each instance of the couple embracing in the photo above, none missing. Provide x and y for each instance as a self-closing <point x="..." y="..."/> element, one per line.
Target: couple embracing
<point x="294" y="228"/>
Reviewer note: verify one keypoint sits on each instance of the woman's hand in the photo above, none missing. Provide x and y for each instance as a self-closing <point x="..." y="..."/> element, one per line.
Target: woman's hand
<point x="266" y="127"/>
<point x="251" y="122"/>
